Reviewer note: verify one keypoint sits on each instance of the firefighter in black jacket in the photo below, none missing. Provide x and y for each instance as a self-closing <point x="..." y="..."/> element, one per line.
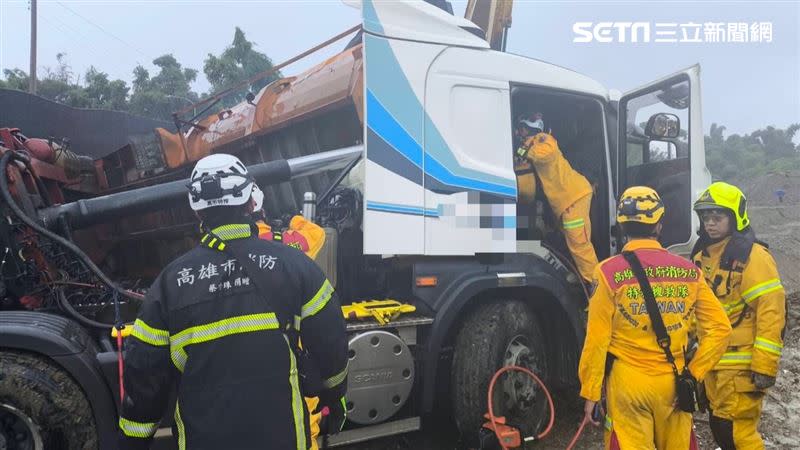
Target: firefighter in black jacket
<point x="207" y="330"/>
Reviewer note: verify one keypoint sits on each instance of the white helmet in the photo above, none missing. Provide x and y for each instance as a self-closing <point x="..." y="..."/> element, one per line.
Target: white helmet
<point x="219" y="180"/>
<point x="258" y="198"/>
<point x="533" y="122"/>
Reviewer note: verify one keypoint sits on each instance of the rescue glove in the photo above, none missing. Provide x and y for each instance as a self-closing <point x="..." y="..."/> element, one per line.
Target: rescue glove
<point x="336" y="408"/>
<point x="762" y="381"/>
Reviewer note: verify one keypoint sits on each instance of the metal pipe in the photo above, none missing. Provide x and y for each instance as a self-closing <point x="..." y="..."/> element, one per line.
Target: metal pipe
<point x="310" y="206"/>
<point x="86" y="212"/>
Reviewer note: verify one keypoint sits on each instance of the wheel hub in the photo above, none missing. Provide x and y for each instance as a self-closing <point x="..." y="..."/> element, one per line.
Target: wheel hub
<point x="17" y="430"/>
<point x="519" y="390"/>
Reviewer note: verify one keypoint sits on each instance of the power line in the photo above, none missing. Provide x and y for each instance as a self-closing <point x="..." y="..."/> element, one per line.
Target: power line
<point x="66" y="29"/>
<point x="103" y="30"/>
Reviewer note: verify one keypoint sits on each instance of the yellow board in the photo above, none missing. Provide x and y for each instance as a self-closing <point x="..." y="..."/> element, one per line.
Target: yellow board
<point x="384" y="311"/>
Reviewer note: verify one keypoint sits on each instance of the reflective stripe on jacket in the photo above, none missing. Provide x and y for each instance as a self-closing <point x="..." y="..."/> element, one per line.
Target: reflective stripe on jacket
<point x="619" y="324"/>
<point x="754" y="300"/>
<point x="205" y="328"/>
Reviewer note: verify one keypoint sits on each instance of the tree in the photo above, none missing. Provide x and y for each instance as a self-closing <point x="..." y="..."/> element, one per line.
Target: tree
<point x="737" y="158"/>
<point x="56" y="84"/>
<point x="777" y="143"/>
<point x="716" y="135"/>
<point x="104" y="93"/>
<point x="61" y="85"/>
<point x="15" y="79"/>
<point x="156" y="96"/>
<point x="238" y="62"/>
<point x="168" y="91"/>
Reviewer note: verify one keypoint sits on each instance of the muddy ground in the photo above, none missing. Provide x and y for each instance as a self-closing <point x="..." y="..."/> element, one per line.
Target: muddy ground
<point x="778" y="223"/>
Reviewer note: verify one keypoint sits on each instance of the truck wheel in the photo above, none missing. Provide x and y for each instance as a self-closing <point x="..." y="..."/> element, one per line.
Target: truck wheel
<point x="41" y="406"/>
<point x="499" y="334"/>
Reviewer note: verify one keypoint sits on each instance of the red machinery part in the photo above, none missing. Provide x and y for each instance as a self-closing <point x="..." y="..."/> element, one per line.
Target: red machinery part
<point x="40" y="149"/>
<point x="509" y="437"/>
<point x="508" y="434"/>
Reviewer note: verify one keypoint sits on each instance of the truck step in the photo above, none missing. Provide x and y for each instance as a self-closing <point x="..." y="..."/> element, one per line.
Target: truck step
<point x="407" y="320"/>
<point x="349" y="437"/>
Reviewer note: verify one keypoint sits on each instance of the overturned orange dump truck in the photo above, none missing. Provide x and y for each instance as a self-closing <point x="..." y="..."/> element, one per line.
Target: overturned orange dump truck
<point x="320" y="109"/>
<point x="333" y="87"/>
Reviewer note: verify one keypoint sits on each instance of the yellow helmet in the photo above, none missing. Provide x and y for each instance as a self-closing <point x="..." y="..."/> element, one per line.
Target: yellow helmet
<point x="722" y="195"/>
<point x="640" y="204"/>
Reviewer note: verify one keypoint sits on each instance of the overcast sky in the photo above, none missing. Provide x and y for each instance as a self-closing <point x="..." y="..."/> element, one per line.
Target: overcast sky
<point x="745" y="85"/>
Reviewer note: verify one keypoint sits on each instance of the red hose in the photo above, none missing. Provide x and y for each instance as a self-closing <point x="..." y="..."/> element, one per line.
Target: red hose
<point x="492" y="417"/>
<point x="578" y="434"/>
<point x="120" y="367"/>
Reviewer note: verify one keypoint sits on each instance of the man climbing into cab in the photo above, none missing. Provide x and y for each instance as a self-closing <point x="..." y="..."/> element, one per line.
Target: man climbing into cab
<point x="568" y="192"/>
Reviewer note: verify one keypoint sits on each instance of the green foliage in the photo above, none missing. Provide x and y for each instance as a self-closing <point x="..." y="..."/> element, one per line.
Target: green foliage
<point x="15" y="79"/>
<point x="738" y="158"/>
<point x="156" y="96"/>
<point x="168" y="91"/>
<point x="61" y="85"/>
<point x="103" y="93"/>
<point x="237" y="63"/>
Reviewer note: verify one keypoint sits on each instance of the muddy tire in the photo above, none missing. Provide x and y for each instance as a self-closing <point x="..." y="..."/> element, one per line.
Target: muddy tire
<point x="504" y="332"/>
<point x="41" y="406"/>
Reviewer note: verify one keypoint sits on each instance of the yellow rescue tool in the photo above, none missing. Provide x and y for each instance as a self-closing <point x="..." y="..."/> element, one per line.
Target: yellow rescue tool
<point x="384" y="311"/>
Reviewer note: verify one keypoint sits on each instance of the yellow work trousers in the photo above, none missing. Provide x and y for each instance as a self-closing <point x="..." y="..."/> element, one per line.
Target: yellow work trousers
<point x="735" y="409"/>
<point x="577" y="228"/>
<point x="313" y="421"/>
<point x="641" y="412"/>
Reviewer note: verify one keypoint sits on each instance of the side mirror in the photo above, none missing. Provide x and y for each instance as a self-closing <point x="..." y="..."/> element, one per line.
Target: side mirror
<point x="663" y="125"/>
<point x="662" y="151"/>
<point x="250" y="97"/>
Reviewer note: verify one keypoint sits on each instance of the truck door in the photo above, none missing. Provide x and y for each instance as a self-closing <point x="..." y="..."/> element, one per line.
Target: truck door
<point x="661" y="146"/>
<point x="439" y="177"/>
<point x="469" y="176"/>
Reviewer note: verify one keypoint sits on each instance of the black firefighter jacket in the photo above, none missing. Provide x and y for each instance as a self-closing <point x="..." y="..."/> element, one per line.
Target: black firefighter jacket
<point x="205" y="329"/>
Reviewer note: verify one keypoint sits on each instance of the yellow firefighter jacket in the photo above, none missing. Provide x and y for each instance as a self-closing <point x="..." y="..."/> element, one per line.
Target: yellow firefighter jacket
<point x="526" y="180"/>
<point x="618" y="321"/>
<point x="754" y="299"/>
<point x="302" y="234"/>
<point x="562" y="185"/>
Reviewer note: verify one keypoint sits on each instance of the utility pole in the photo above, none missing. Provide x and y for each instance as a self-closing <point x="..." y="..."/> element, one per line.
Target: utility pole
<point x="32" y="75"/>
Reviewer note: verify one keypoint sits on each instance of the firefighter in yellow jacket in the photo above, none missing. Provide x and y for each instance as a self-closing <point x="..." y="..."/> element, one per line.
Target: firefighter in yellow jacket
<point x="744" y="277"/>
<point x="523" y="167"/>
<point x="567" y="191"/>
<point x="640" y="385"/>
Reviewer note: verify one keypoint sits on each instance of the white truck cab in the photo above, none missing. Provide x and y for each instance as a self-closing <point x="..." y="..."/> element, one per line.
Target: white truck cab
<point x="441" y="203"/>
<point x="439" y="134"/>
